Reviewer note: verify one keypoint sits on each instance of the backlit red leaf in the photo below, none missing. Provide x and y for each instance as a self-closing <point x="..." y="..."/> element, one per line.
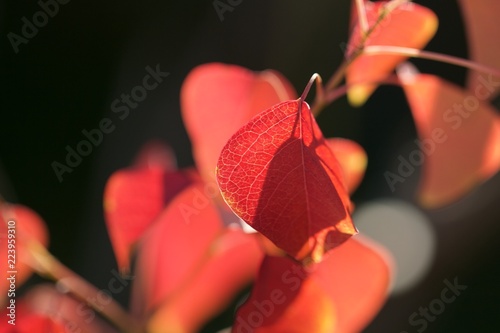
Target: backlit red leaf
<point x="278" y="175"/>
<point x="26" y="226"/>
<point x="134" y="197"/>
<point x="483" y="33"/>
<point x="460" y="134"/>
<point x="341" y="294"/>
<point x="409" y="25"/>
<point x="217" y="99"/>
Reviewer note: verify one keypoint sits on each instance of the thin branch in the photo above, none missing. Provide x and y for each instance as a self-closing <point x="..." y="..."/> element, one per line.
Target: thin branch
<point x="333" y="95"/>
<point x="416" y="53"/>
<point x="363" y="20"/>
<point x="386" y="10"/>
<point x="339" y="74"/>
<point x="390" y="6"/>
<point x="47" y="265"/>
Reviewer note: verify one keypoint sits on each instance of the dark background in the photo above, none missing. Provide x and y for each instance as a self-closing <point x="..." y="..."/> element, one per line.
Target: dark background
<point x="65" y="78"/>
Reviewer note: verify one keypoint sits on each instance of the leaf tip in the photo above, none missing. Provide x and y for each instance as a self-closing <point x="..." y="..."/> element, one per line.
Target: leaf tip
<point x="432" y="200"/>
<point x="407" y="73"/>
<point x="359" y="94"/>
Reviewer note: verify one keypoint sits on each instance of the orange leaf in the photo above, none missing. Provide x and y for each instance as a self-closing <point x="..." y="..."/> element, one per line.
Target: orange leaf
<point x="285" y="300"/>
<point x="278" y="175"/>
<point x="357" y="276"/>
<point x="172" y="249"/>
<point x="134" y="197"/>
<point x="217" y="99"/>
<point x="483" y="32"/>
<point x="460" y="134"/>
<point x="409" y="25"/>
<point x="234" y="261"/>
<point x="341" y="294"/>
<point x="352" y="158"/>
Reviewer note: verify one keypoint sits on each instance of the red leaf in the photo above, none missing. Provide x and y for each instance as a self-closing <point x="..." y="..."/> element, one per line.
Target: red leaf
<point x="172" y="249"/>
<point x="460" y="134"/>
<point x="341" y="294"/>
<point x="217" y="99"/>
<point x="409" y="25"/>
<point x="353" y="20"/>
<point x="278" y="174"/>
<point x="28" y="321"/>
<point x="352" y="158"/>
<point x="134" y="197"/>
<point x="357" y="276"/>
<point x="28" y="226"/>
<point x="234" y="261"/>
<point x="285" y="300"/>
<point x="43" y="309"/>
<point x="483" y="32"/>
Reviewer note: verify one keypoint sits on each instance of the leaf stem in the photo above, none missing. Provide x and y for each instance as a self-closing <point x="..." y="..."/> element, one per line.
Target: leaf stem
<point x="317" y="78"/>
<point x="332" y="95"/>
<point x="416" y="53"/>
<point x="333" y="82"/>
<point x="363" y="20"/>
<point x="319" y="101"/>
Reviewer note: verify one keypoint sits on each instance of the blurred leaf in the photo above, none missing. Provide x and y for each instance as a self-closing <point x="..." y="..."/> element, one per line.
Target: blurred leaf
<point x="285" y="300"/>
<point x="233" y="262"/>
<point x="409" y="25"/>
<point x="218" y="99"/>
<point x="352" y="158"/>
<point x="43" y="309"/>
<point x="173" y="247"/>
<point x="483" y="33"/>
<point x="460" y="137"/>
<point x="341" y="294"/>
<point x="134" y="197"/>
